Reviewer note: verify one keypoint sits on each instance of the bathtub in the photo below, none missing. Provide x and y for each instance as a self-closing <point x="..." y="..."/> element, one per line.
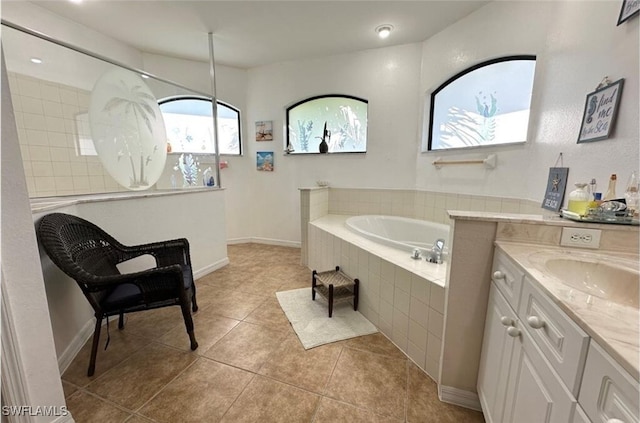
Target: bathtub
<point x="400" y="232"/>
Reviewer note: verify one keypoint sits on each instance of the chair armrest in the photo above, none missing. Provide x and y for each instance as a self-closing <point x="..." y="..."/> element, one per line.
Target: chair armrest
<point x="156" y="279"/>
<point x="166" y="253"/>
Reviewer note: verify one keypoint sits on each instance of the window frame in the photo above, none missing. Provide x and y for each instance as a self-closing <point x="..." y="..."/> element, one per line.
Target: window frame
<point x="531" y="57"/>
<point x="219" y="103"/>
<point x="317" y="97"/>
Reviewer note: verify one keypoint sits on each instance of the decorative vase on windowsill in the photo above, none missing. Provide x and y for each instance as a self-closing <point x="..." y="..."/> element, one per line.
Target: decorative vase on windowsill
<point x="326" y="135"/>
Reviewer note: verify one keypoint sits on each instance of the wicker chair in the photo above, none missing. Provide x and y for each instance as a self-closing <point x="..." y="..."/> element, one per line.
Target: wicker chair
<point x="89" y="255"/>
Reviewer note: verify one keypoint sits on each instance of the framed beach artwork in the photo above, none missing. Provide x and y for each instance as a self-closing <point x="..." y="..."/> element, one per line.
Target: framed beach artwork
<point x="600" y="109"/>
<point x="629" y="9"/>
<point x="264" y="130"/>
<point x="264" y="161"/>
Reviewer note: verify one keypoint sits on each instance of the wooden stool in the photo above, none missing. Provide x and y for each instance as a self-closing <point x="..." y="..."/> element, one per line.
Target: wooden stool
<point x="334" y="286"/>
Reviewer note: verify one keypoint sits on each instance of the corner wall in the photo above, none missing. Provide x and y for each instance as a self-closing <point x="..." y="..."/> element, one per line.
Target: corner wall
<point x="577" y="44"/>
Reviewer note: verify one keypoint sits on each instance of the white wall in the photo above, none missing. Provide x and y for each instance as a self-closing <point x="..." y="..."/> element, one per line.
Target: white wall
<point x="577" y="44"/>
<point x="266" y="205"/>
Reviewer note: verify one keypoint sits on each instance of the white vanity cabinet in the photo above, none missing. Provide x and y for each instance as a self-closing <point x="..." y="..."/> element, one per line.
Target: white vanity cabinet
<point x="516" y="381"/>
<point x="608" y="393"/>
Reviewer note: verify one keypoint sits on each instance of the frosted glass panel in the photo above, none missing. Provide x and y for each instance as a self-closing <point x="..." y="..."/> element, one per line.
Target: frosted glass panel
<point x="487" y="104"/>
<point x="345" y="118"/>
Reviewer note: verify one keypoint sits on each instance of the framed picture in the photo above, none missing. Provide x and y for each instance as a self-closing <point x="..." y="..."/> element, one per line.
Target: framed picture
<point x="629" y="9"/>
<point x="600" y="111"/>
<point x="556" y="185"/>
<point x="264" y="161"/>
<point x="264" y="130"/>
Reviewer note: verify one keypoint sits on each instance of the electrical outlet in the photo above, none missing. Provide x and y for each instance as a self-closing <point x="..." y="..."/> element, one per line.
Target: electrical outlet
<point x="581" y="238"/>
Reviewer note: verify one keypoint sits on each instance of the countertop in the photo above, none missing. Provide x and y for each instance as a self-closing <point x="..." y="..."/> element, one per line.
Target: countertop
<point x="614" y="327"/>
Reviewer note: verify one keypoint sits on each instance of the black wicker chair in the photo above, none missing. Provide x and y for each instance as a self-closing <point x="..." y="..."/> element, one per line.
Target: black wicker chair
<point x="89" y="255"/>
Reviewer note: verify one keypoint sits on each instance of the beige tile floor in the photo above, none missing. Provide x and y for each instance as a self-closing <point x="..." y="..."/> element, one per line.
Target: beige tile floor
<point x="250" y="366"/>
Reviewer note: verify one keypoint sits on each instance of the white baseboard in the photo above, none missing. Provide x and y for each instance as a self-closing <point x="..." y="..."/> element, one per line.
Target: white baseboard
<point x="76" y="344"/>
<point x="268" y="241"/>
<point x="197" y="274"/>
<point x="459" y="397"/>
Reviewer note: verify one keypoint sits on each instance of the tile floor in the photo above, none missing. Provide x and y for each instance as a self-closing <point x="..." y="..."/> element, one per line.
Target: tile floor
<point x="250" y="366"/>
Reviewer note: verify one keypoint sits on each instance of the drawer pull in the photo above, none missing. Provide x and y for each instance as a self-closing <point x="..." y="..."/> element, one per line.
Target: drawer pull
<point x="513" y="331"/>
<point x="535" y="322"/>
<point x="506" y="321"/>
<point x="499" y="275"/>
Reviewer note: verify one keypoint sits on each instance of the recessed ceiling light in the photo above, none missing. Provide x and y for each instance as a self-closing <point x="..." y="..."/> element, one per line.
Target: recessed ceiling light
<point x="36" y="60"/>
<point x="144" y="76"/>
<point x="76" y="1"/>
<point x="384" y="30"/>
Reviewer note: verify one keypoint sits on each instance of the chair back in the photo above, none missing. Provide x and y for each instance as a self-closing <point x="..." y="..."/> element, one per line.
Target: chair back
<point x="80" y="249"/>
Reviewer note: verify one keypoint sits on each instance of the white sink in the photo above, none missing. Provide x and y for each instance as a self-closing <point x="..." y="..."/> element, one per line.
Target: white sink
<point x="597" y="278"/>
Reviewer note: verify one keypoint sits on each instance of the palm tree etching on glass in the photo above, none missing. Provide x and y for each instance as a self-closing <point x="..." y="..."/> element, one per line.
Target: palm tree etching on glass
<point x="128" y="129"/>
<point x="471" y="128"/>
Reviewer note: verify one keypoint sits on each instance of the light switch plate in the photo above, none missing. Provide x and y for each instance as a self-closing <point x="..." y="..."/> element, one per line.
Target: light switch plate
<point x="581" y="238"/>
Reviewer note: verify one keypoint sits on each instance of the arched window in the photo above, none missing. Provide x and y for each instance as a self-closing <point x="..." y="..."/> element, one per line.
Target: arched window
<point x="486" y="104"/>
<point x="190" y="126"/>
<point x="343" y="117"/>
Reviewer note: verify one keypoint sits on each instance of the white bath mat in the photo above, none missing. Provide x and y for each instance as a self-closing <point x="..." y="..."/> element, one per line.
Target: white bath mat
<point x="311" y="322"/>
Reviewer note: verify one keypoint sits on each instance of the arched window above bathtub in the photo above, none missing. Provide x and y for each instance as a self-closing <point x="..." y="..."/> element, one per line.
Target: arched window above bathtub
<point x="486" y="104"/>
<point x="190" y="127"/>
<point x="341" y="118"/>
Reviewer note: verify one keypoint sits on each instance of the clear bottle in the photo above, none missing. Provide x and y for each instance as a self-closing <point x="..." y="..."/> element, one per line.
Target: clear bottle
<point x="611" y="191"/>
<point x="579" y="199"/>
<point x="631" y="194"/>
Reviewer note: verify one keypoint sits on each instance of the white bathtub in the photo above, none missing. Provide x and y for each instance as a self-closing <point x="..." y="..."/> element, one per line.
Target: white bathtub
<point x="400" y="232"/>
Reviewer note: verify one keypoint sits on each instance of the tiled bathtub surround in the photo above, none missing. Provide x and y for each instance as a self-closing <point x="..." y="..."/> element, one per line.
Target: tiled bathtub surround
<point x="402" y="297"/>
<point x="418" y="204"/>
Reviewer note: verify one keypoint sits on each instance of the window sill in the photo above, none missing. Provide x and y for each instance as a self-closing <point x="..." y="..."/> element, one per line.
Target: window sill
<point x="45" y="204"/>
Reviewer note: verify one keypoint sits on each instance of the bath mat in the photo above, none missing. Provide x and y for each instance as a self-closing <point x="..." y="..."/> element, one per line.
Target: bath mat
<point x="311" y="322"/>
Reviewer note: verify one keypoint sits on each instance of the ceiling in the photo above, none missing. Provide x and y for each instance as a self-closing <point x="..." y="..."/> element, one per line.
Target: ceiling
<point x="254" y="33"/>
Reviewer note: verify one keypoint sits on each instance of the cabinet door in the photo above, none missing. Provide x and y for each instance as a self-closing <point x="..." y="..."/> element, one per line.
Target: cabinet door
<point x="496" y="355"/>
<point x="535" y="393"/>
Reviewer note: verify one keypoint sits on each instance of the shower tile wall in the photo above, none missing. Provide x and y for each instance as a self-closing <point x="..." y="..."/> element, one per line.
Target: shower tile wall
<point x="424" y="205"/>
<point x="48" y="133"/>
<point x="408" y="309"/>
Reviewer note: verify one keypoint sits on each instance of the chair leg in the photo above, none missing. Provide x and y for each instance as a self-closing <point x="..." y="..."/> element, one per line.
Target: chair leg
<point x="188" y="322"/>
<point x="194" y="304"/>
<point x="94" y="347"/>
<point x="121" y="321"/>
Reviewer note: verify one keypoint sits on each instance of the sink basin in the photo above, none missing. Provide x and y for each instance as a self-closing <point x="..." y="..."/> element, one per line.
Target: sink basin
<point x="599" y="279"/>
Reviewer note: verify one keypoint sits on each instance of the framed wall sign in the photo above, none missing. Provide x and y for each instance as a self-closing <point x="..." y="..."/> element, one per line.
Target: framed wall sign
<point x="630" y="8"/>
<point x="556" y="185"/>
<point x="600" y="111"/>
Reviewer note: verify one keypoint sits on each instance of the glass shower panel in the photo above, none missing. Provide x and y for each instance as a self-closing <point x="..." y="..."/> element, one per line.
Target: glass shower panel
<point x="87" y="126"/>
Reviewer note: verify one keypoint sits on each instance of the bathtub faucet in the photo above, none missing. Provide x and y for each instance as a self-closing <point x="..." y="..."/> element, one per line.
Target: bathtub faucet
<point x="435" y="255"/>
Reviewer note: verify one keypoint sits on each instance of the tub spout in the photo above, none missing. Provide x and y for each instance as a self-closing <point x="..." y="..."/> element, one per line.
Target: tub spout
<point x="435" y="255"/>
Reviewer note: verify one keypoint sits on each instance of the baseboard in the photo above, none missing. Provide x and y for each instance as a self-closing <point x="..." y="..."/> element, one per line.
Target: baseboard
<point x="267" y="241"/>
<point x="210" y="268"/>
<point x="76" y="344"/>
<point x="459" y="397"/>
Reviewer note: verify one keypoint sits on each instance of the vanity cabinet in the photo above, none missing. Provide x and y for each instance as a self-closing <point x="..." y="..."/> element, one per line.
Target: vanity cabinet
<point x="516" y="381"/>
<point x="537" y="365"/>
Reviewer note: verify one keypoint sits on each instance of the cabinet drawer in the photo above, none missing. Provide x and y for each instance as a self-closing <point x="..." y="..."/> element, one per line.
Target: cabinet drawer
<point x="507" y="277"/>
<point x="561" y="341"/>
<point x="607" y="391"/>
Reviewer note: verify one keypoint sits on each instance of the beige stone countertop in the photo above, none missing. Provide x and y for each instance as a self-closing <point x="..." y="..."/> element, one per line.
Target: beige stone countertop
<point x="535" y="219"/>
<point x="613" y="326"/>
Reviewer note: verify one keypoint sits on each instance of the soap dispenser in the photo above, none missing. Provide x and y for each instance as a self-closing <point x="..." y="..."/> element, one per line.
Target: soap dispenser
<point x="579" y="199"/>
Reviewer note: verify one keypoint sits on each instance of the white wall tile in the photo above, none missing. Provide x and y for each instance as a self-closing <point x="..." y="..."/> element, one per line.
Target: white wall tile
<point x="401" y="300"/>
<point x="419" y="312"/>
<point x="69" y="97"/>
<point x="433" y="368"/>
<point x="28" y="87"/>
<point x="418" y="334"/>
<point x="420" y="288"/>
<point x="33" y="121"/>
<point x="436" y="322"/>
<point x="39" y="153"/>
<point x="437" y="298"/>
<point x="403" y="279"/>
<point x="32" y="105"/>
<point x="416" y="354"/>
<point x="386" y="311"/>
<point x="50" y="92"/>
<point x="387" y="290"/>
